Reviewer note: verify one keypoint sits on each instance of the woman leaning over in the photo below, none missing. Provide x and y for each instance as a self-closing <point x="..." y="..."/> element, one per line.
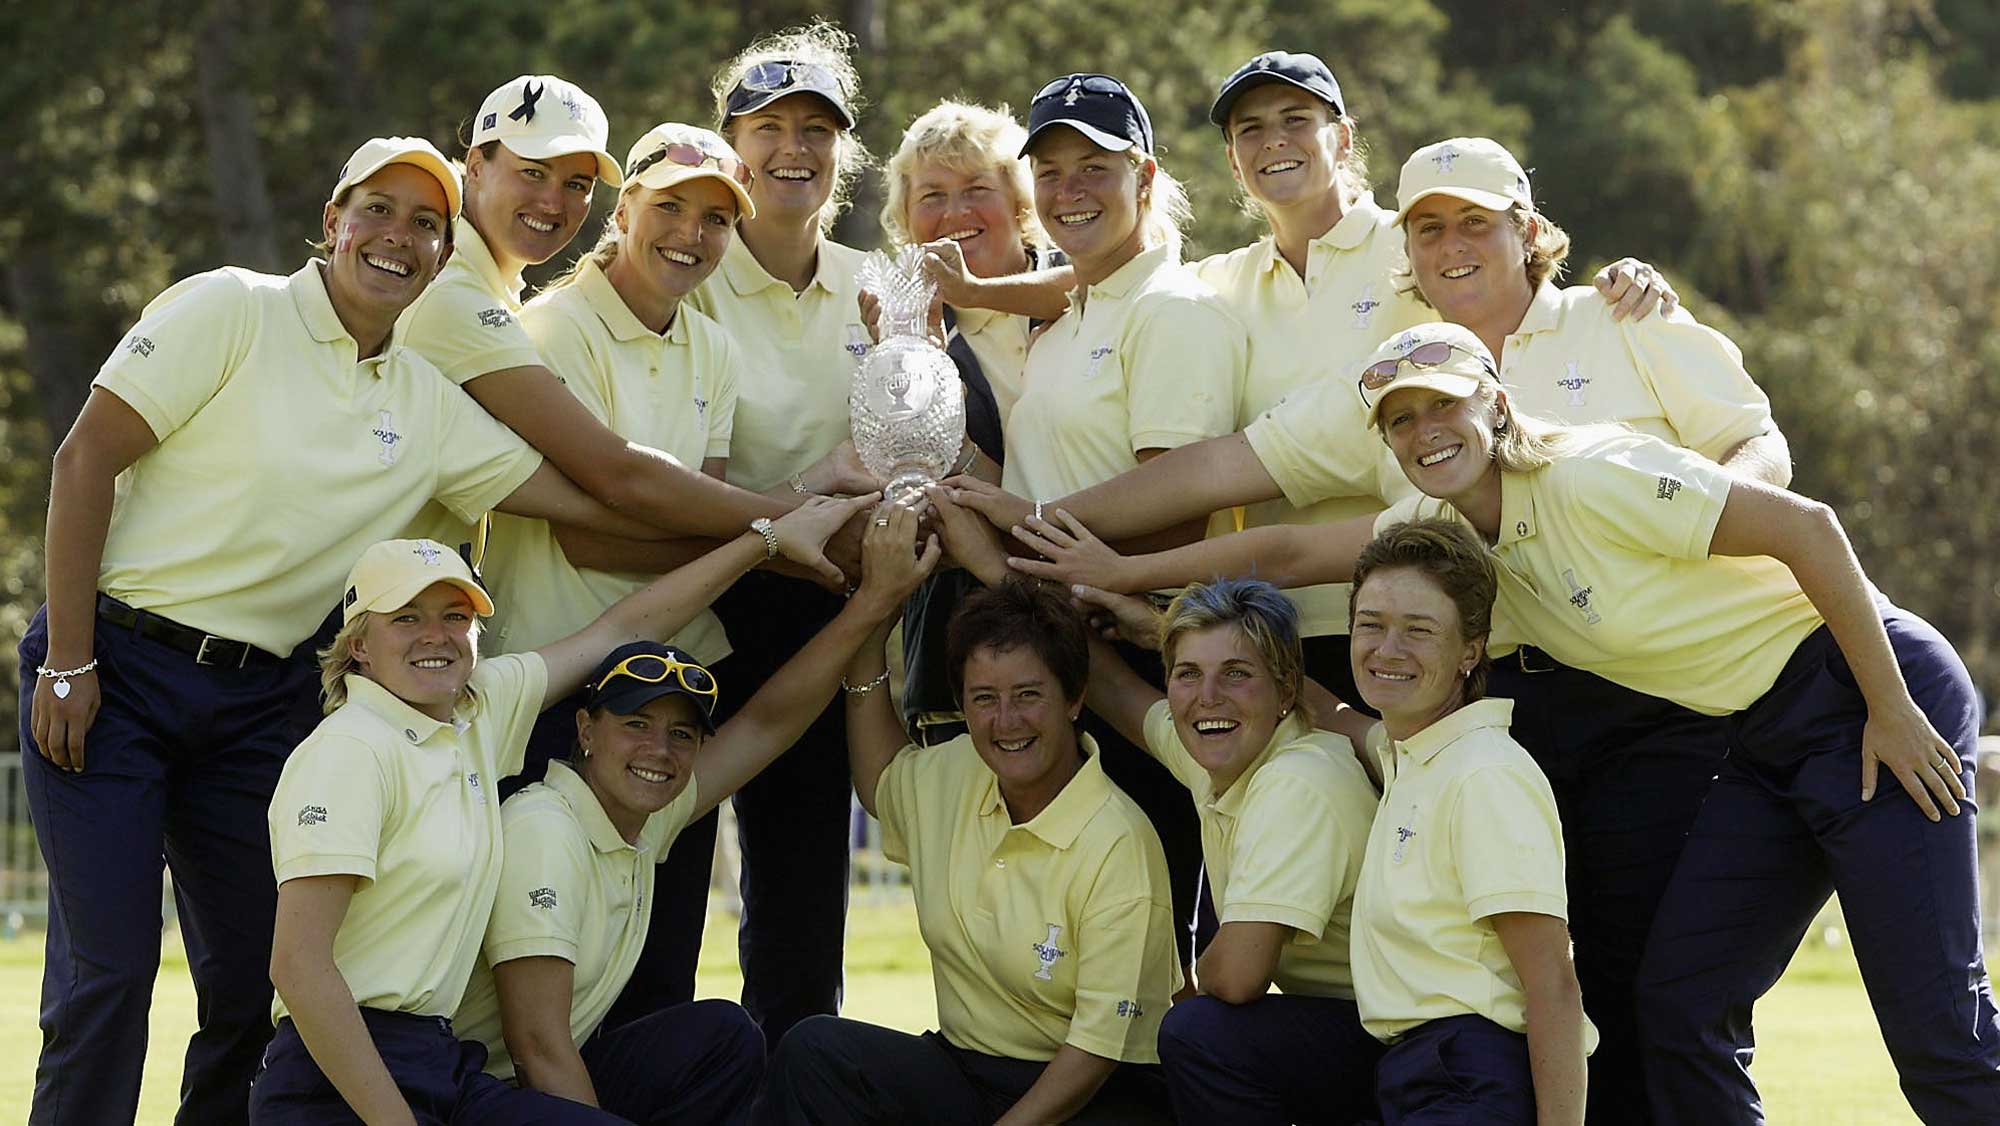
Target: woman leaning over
<point x="404" y="854"/>
<point x="569" y="922"/>
<point x="1041" y="893"/>
<point x="257" y="432"/>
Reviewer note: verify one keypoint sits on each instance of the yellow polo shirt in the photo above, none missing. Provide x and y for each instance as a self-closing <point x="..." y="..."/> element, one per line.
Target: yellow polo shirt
<point x="1666" y="376"/>
<point x="468" y="323"/>
<point x="999" y="341"/>
<point x="1148" y="358"/>
<point x="798" y="356"/>
<point x="1058" y="931"/>
<point x="410" y="804"/>
<point x="570" y="888"/>
<point x="281" y="456"/>
<point x="1467" y="830"/>
<point x="1305" y="331"/>
<point x="1284" y="843"/>
<point x="1603" y="562"/>
<point x="675" y="392"/>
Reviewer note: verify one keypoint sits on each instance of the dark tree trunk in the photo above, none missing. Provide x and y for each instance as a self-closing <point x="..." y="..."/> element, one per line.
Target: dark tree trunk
<point x="247" y="232"/>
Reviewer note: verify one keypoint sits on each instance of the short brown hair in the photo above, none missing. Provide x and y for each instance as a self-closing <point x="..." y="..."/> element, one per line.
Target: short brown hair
<point x="1016" y="614"/>
<point x="1450" y="554"/>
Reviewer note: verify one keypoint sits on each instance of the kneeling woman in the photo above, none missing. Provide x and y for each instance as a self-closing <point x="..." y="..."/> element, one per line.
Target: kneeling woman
<point x="385" y="829"/>
<point x="581" y="851"/>
<point x="1461" y="949"/>
<point x="1285" y="811"/>
<point x="1041" y="892"/>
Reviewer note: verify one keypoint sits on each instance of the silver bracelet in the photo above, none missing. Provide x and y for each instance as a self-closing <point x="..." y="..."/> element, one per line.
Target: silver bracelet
<point x="971" y="455"/>
<point x="1038" y="510"/>
<point x="866" y="688"/>
<point x="798" y="483"/>
<point x="61" y="676"/>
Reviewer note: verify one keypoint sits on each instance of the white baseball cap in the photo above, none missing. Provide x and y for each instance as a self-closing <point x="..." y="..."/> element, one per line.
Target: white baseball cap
<point x="390" y="573"/>
<point x="1475" y="169"/>
<point x="1440" y="356"/>
<point x="540" y="116"/>
<point x="671" y="152"/>
<point x="378" y="153"/>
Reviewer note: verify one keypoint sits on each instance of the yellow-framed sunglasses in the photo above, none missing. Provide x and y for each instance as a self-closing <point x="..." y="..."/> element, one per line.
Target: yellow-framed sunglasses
<point x="651" y="668"/>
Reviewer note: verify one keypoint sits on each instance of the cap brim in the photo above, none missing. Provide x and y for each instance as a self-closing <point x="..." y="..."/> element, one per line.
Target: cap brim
<point x="567" y="144"/>
<point x="397" y="597"/>
<point x="1491" y="201"/>
<point x="1431" y="379"/>
<point x="1227" y="97"/>
<point x="631" y="695"/>
<point x="443" y="172"/>
<point x="1109" y="142"/>
<point x="667" y="174"/>
<point x="759" y="99"/>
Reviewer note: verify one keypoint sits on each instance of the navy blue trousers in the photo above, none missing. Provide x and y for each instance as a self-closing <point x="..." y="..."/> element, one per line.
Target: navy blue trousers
<point x="1784" y="827"/>
<point x="1457" y="1071"/>
<point x="437" y="1073"/>
<point x="690" y="1065"/>
<point x="179" y="768"/>
<point x="1629" y="772"/>
<point x="829" y="1071"/>
<point x="1279" y="1059"/>
<point x="664" y="975"/>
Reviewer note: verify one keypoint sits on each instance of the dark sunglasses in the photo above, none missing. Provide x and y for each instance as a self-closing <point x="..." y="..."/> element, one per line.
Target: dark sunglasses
<point x="782" y="74"/>
<point x="1088" y="83"/>
<point x="1381" y="373"/>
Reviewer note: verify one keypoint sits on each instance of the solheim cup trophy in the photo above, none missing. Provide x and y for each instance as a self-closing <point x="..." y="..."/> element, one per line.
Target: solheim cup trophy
<point x="906" y="405"/>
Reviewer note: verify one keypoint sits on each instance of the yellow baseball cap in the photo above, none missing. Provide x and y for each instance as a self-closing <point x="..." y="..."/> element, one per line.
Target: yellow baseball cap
<point x="378" y="153"/>
<point x="672" y="152"/>
<point x="540" y="116"/>
<point x="1442" y="357"/>
<point x="1475" y="169"/>
<point x="391" y="573"/>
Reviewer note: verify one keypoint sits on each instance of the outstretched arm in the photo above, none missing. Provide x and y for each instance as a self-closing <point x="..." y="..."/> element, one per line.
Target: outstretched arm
<point x="1287" y="555"/>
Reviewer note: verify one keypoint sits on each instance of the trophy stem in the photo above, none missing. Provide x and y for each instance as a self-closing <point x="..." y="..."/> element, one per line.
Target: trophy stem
<point x="908" y="481"/>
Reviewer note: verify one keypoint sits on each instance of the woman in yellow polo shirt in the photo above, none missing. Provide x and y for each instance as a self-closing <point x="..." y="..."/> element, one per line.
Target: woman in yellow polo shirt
<point x="158" y="684"/>
<point x="1460" y="946"/>
<point x="1658" y="570"/>
<point x="569" y="922"/>
<point x="386" y="875"/>
<point x="1041" y="893"/>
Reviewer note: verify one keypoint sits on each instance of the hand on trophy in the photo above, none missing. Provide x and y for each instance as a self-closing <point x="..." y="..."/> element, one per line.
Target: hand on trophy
<point x="871" y="315"/>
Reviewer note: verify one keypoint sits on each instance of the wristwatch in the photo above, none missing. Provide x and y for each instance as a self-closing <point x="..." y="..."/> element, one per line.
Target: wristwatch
<point x="762" y="526"/>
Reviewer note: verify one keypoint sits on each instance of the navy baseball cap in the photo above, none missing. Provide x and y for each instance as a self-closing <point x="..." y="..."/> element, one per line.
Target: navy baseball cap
<point x="1095" y="105"/>
<point x="766" y="82"/>
<point x="634" y="675"/>
<point x="1296" y="68"/>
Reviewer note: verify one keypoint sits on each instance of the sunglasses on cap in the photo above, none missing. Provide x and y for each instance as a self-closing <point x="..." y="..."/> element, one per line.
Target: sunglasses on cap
<point x="649" y="668"/>
<point x="782" y="74"/>
<point x="689" y="155"/>
<point x="1089" y="84"/>
<point x="1381" y="373"/>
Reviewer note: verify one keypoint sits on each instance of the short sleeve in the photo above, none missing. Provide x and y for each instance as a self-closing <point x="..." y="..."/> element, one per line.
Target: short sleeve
<point x="1126" y="970"/>
<point x="480" y="461"/>
<point x="1183" y="374"/>
<point x="182" y="351"/>
<point x="1698" y="377"/>
<point x="466" y="332"/>
<point x="721" y="410"/>
<point x="1644" y="494"/>
<point x="510" y="690"/>
<point x="1163" y="742"/>
<point x="1289" y="862"/>
<point x="1507" y="840"/>
<point x="327" y="812"/>
<point x="1316" y="444"/>
<point x="544" y="882"/>
<point x="896" y="799"/>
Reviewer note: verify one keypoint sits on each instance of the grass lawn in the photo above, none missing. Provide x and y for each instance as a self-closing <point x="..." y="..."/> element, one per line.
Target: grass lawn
<point x="1820" y="1060"/>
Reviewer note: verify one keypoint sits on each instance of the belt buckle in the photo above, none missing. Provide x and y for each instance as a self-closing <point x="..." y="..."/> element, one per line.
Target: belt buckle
<point x="201" y="651"/>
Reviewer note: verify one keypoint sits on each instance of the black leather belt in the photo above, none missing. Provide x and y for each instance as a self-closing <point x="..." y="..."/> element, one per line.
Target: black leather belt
<point x="1532" y="659"/>
<point x="205" y="648"/>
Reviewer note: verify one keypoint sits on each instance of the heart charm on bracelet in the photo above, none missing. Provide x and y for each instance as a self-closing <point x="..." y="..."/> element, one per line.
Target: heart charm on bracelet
<point x="62" y="689"/>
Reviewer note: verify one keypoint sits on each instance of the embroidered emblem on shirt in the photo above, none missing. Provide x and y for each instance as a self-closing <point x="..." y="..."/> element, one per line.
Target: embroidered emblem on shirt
<point x="139" y="346"/>
<point x="525" y="112"/>
<point x="1048" y="952"/>
<point x="1573" y="381"/>
<point x="1669" y="485"/>
<point x="312" y="815"/>
<point x="1364" y="309"/>
<point x="701" y="409"/>
<point x="385" y="433"/>
<point x="857" y="340"/>
<point x="495" y="318"/>
<point x="544" y="898"/>
<point x="1097" y="355"/>
<point x="1444" y="157"/>
<point x="1404" y="835"/>
<point x="1579" y="597"/>
<point x="1130" y="1010"/>
<point x="478" y="791"/>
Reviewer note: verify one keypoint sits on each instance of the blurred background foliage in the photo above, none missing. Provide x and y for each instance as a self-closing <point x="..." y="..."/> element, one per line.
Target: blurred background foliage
<point x="1820" y="178"/>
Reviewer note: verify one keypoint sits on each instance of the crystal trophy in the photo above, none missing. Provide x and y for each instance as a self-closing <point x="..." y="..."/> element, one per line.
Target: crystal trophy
<point x="906" y="405"/>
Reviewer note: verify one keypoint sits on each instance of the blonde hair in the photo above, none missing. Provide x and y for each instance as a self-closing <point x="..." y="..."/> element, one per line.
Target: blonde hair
<point x="336" y="661"/>
<point x="1523" y="443"/>
<point x="1350" y="175"/>
<point x="601" y="253"/>
<point x="1268" y="619"/>
<point x="1545" y="260"/>
<point x="967" y="138"/>
<point x="821" y="44"/>
<point x="1164" y="211"/>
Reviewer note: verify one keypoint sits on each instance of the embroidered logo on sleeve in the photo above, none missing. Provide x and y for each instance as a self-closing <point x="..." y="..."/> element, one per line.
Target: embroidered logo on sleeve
<point x="542" y="899"/>
<point x="140" y="346"/>
<point x="495" y="318"/>
<point x="1048" y="952"/>
<point x="312" y="815"/>
<point x="1579" y="597"/>
<point x="1130" y="1010"/>
<point x="1669" y="485"/>
<point x="1573" y="381"/>
<point x="385" y="433"/>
